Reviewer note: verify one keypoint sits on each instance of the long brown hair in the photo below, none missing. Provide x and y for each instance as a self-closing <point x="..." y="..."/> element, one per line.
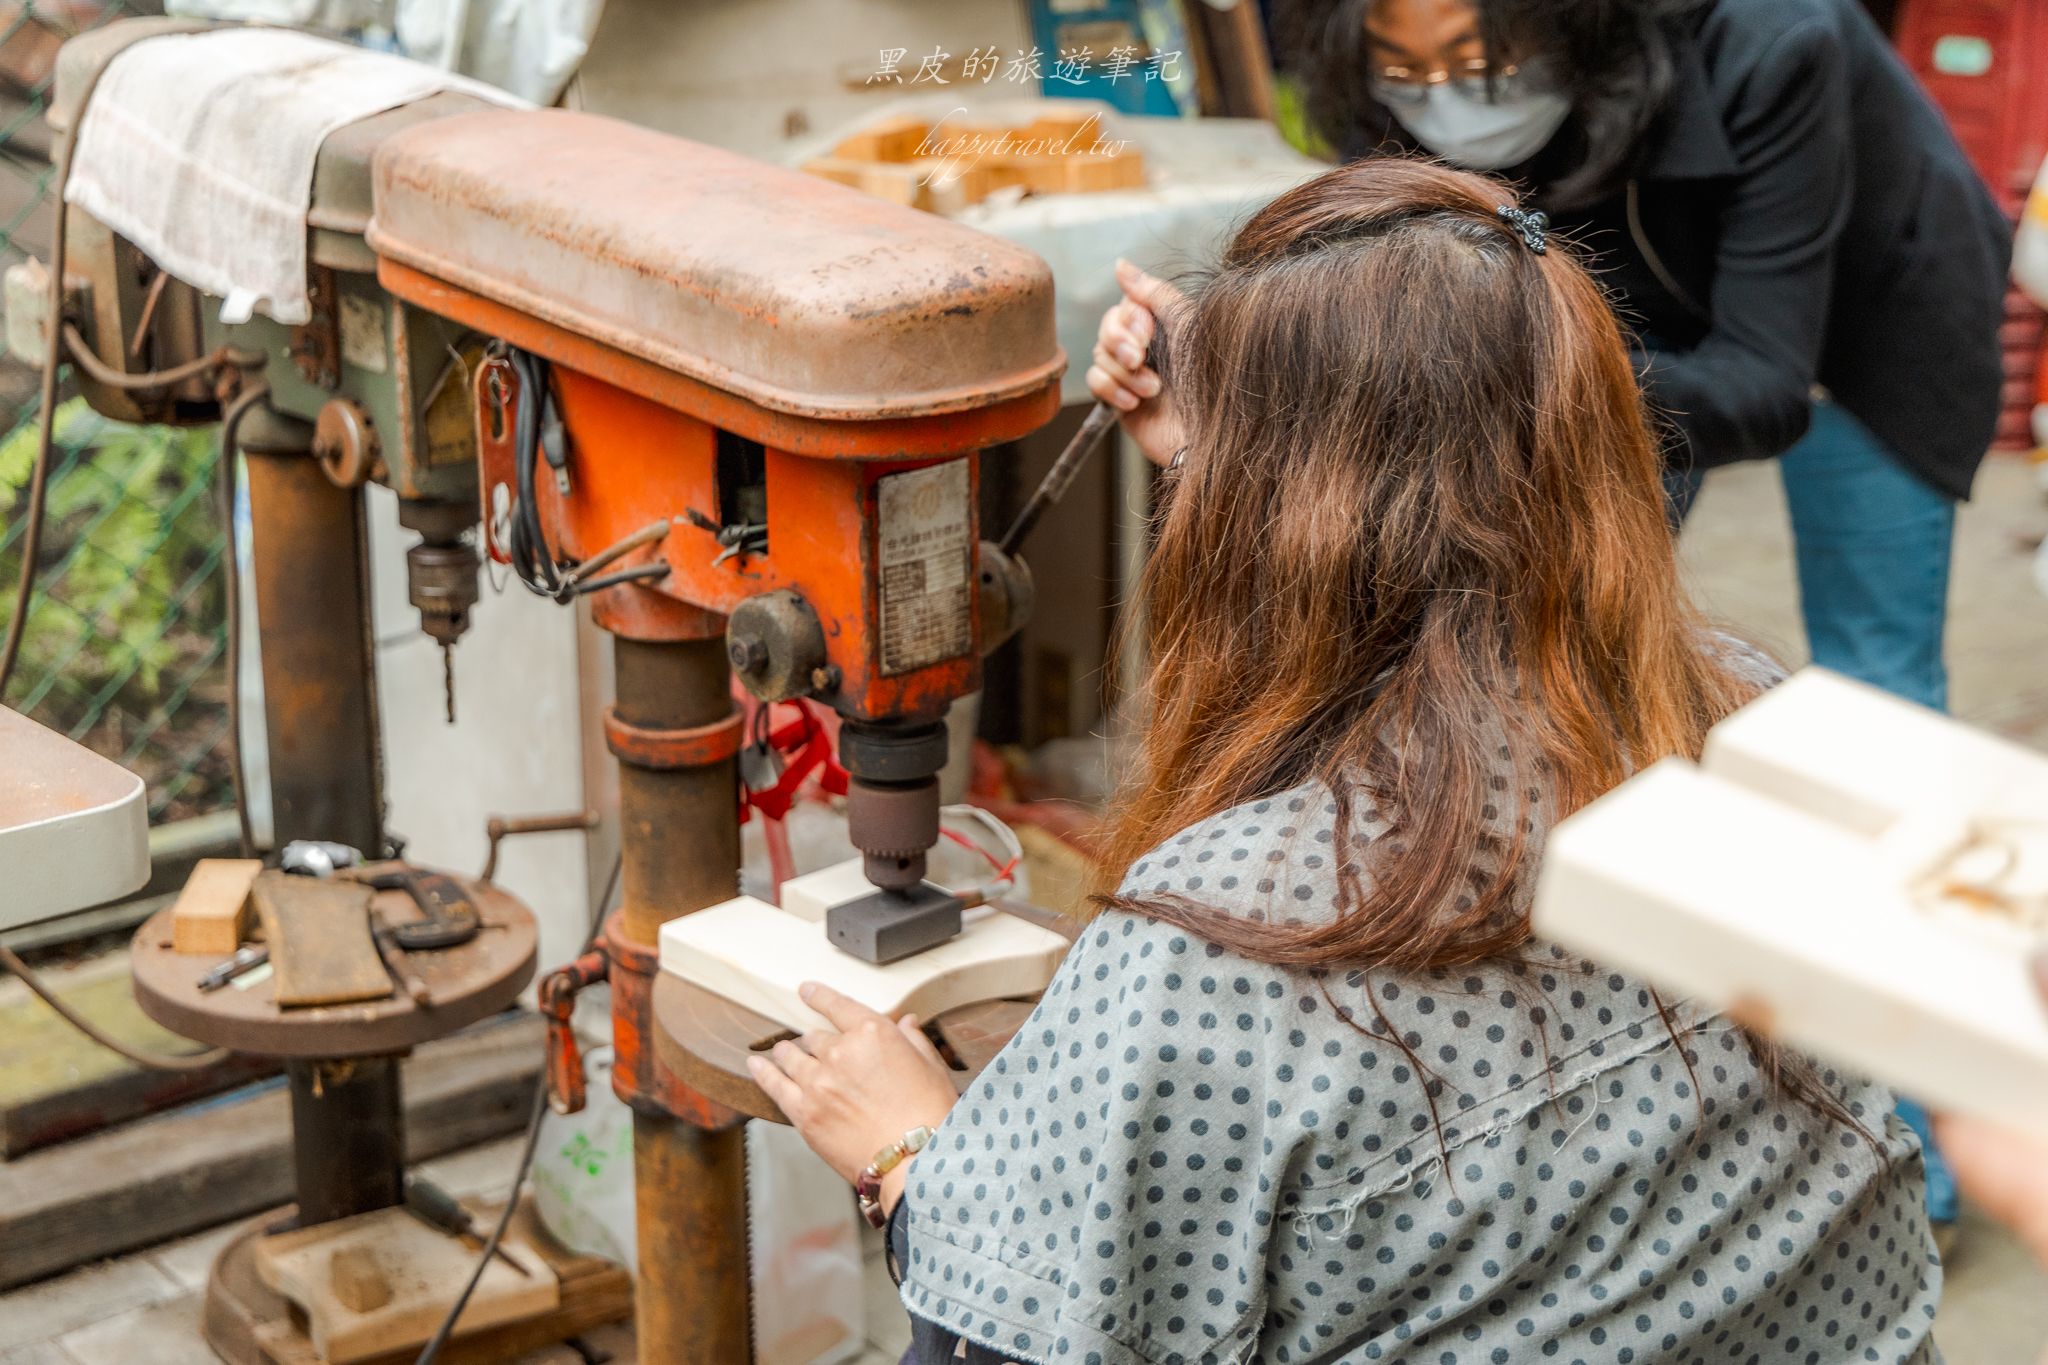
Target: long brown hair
<point x="1417" y="549"/>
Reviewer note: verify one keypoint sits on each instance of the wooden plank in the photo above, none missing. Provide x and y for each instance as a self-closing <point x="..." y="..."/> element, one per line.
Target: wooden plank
<point x="321" y="951"/>
<point x="256" y="1325"/>
<point x="756" y="955"/>
<point x="56" y="1084"/>
<point x="179" y="1173"/>
<point x="212" y="912"/>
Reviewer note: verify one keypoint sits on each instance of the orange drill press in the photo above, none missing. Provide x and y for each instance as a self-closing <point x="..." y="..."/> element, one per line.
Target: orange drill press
<point x="744" y="406"/>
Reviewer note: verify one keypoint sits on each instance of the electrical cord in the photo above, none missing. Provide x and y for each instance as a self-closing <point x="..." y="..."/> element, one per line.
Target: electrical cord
<point x="221" y="357"/>
<point x="230" y="448"/>
<point x="432" y="1350"/>
<point x="46" y="420"/>
<point x="155" y="1061"/>
<point x="533" y="562"/>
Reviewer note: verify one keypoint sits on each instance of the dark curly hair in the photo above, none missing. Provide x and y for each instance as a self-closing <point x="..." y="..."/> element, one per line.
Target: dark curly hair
<point x="1612" y="57"/>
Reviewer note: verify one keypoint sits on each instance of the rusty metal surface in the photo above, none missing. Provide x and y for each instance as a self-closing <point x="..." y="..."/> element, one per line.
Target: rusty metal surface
<point x="705" y="1040"/>
<point x="691" y="747"/>
<point x="692" y="1302"/>
<point x="636" y="461"/>
<point x="342" y="195"/>
<point x="799" y="295"/>
<point x="348" y="1136"/>
<point x="467" y="983"/>
<point x="312" y="606"/>
<point x="679" y="833"/>
<point x="803" y="434"/>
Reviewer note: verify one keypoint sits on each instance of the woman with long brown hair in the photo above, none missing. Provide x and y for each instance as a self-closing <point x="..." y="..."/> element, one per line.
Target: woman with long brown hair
<point x="1307" y="1090"/>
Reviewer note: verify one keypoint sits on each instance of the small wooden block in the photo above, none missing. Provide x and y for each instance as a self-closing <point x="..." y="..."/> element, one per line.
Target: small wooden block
<point x="358" y="1279"/>
<point x="423" y="1270"/>
<point x="808" y="897"/>
<point x="899" y="183"/>
<point x="321" y="952"/>
<point x="212" y="911"/>
<point x="756" y="956"/>
<point x="891" y="139"/>
<point x="1095" y="172"/>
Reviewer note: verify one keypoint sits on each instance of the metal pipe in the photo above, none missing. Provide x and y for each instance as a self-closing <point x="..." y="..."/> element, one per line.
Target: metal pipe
<point x="320" y="719"/>
<point x="348" y="1136"/>
<point x="313" y="615"/>
<point x="680" y="853"/>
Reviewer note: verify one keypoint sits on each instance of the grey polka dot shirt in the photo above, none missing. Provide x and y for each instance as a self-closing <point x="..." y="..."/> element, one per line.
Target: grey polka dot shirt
<point x="1188" y="1156"/>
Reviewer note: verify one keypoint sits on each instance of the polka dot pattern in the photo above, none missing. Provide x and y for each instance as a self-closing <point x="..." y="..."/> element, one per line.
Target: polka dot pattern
<point x="1188" y="1156"/>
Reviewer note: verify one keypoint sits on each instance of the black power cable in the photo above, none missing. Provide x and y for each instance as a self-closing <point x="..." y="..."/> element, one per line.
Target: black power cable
<point x="533" y="562"/>
<point x="432" y="1350"/>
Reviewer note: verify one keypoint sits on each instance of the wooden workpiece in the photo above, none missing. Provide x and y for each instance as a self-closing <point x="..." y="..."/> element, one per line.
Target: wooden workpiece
<point x="904" y="159"/>
<point x="756" y="955"/>
<point x="1856" y="875"/>
<point x="211" y="915"/>
<point x="318" y="931"/>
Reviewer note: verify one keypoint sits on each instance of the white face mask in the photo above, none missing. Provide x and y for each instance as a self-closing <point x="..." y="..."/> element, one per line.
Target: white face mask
<point x="1467" y="131"/>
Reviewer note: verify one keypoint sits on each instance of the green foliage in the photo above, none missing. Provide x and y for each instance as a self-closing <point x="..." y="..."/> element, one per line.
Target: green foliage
<point x="130" y="537"/>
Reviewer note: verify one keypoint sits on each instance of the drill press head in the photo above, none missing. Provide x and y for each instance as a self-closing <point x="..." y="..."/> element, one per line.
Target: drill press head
<point x="792" y="378"/>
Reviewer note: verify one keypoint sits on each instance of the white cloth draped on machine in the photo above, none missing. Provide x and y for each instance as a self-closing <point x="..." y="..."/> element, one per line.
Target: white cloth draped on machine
<point x="200" y="149"/>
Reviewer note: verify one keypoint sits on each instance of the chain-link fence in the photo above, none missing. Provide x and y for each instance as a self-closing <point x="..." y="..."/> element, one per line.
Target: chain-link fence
<point x="126" y="640"/>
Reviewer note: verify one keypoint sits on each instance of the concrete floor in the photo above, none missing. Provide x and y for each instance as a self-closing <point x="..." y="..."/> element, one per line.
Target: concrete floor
<point x="144" y="1309"/>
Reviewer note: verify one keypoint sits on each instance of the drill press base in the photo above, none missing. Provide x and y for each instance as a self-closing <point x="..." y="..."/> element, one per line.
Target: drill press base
<point x="247" y="1323"/>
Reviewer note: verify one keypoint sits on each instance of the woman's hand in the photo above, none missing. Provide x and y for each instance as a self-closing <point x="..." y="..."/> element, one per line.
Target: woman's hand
<point x="853" y="1089"/>
<point x="1119" y="375"/>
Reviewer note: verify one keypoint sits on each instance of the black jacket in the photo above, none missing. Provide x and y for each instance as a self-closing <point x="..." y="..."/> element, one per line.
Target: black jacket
<point x="1808" y="219"/>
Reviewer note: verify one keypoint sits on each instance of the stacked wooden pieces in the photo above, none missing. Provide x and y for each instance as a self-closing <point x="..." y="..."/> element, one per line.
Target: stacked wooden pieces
<point x="1861" y="877"/>
<point x="757" y="955"/>
<point x="945" y="166"/>
<point x="381" y="1282"/>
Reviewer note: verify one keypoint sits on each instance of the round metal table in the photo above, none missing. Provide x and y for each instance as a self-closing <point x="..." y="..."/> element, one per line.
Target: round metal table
<point x="348" y="1116"/>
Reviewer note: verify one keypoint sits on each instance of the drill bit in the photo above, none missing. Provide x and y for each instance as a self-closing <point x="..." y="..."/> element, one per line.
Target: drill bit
<point x="448" y="678"/>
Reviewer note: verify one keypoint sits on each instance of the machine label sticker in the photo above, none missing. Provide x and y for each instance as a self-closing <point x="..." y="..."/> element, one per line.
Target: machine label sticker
<point x="926" y="550"/>
<point x="362" y="334"/>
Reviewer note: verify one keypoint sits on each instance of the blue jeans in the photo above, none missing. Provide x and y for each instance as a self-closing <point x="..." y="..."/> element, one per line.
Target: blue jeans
<point x="1872" y="542"/>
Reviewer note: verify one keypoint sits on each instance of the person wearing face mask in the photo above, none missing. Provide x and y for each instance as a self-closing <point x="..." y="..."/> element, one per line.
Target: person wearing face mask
<point x="1806" y="264"/>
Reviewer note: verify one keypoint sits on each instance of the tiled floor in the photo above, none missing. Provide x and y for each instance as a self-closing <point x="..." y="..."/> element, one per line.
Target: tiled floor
<point x="143" y="1309"/>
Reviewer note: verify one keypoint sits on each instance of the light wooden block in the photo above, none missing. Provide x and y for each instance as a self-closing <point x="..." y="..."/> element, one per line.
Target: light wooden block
<point x="1846" y="751"/>
<point x="808" y="897"/>
<point x="212" y="912"/>
<point x="403" y="1274"/>
<point x="890" y="139"/>
<point x="1801" y="875"/>
<point x="899" y="183"/>
<point x="756" y="955"/>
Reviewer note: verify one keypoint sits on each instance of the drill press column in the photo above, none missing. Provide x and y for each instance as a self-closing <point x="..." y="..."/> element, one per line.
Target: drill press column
<point x="680" y="845"/>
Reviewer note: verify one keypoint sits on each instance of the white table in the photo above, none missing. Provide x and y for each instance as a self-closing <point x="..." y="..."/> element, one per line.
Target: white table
<point x="74" y="827"/>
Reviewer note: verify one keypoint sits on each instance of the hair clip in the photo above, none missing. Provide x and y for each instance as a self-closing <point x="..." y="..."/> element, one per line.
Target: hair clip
<point x="1529" y="225"/>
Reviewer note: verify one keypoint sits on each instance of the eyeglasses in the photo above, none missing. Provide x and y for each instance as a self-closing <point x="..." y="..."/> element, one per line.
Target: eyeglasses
<point x="1475" y="79"/>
